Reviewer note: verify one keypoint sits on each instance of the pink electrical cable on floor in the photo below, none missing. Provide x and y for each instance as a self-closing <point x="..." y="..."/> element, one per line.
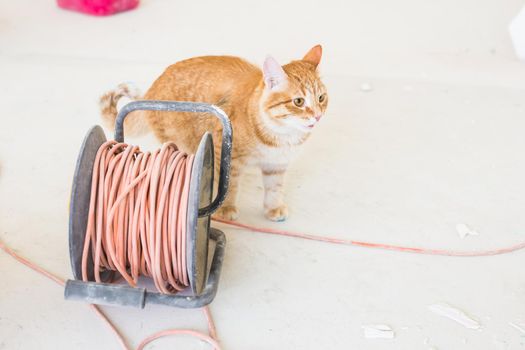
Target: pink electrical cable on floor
<point x="342" y="241"/>
<point x="210" y="339"/>
<point x="143" y="235"/>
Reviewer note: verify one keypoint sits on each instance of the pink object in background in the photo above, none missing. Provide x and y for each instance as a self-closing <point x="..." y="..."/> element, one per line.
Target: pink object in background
<point x="98" y="7"/>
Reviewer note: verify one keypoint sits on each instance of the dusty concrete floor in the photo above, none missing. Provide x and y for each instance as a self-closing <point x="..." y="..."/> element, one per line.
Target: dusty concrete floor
<point x="437" y="141"/>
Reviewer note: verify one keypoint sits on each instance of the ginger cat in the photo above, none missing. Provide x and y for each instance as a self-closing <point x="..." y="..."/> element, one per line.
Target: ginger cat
<point x="272" y="111"/>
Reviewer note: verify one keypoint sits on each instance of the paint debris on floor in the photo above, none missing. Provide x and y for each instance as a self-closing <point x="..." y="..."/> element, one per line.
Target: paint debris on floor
<point x="378" y="331"/>
<point x="455" y="314"/>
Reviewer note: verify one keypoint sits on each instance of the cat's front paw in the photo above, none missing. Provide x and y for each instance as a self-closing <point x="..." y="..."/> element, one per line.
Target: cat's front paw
<point x="227" y="212"/>
<point x="277" y="214"/>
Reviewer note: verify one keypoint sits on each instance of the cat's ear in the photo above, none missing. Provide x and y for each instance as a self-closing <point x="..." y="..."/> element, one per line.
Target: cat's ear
<point x="274" y="74"/>
<point x="314" y="55"/>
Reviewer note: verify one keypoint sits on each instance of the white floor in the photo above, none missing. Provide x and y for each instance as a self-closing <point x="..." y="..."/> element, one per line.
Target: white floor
<point x="438" y="141"/>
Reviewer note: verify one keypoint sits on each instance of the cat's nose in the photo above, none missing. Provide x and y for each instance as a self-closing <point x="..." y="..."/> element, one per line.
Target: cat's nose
<point x="318" y="117"/>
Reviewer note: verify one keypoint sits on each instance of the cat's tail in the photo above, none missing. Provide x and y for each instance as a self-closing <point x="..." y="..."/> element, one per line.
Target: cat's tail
<point x="112" y="101"/>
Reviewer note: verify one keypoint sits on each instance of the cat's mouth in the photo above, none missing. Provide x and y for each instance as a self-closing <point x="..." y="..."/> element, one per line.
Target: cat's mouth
<point x="311" y="124"/>
<point x="304" y="126"/>
<point x="308" y="127"/>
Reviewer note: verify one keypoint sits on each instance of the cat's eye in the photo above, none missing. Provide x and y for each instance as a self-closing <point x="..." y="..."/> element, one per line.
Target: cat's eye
<point x="322" y="98"/>
<point x="299" y="101"/>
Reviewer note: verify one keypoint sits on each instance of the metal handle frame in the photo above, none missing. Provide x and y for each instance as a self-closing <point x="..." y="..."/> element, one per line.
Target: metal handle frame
<point x="193" y="107"/>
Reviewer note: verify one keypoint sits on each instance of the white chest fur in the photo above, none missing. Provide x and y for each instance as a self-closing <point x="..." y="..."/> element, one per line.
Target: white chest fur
<point x="274" y="158"/>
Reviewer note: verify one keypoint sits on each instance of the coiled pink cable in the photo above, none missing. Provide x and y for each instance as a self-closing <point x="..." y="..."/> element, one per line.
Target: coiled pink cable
<point x="137" y="216"/>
